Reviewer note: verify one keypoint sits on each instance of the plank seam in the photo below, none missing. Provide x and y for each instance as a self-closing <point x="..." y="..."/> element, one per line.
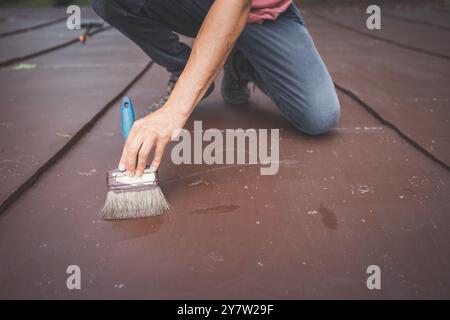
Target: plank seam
<point x="11" y="61"/>
<point x="392" y="126"/>
<point x="70" y="143"/>
<point x="392" y="42"/>
<point x="415" y="21"/>
<point x="31" y="28"/>
<point x="441" y="9"/>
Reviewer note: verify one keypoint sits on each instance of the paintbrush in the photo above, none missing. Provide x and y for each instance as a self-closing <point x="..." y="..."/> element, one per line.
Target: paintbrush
<point x="132" y="197"/>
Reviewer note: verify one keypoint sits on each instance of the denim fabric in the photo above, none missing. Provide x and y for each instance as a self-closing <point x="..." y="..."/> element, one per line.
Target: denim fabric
<point x="278" y="56"/>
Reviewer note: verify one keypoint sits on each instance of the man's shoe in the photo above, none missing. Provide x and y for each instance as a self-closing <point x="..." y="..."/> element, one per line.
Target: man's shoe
<point x="234" y="89"/>
<point x="173" y="80"/>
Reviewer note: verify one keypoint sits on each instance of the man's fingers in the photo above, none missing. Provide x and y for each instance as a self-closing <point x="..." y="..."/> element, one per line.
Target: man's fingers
<point x="137" y="149"/>
<point x="143" y="156"/>
<point x="123" y="158"/>
<point x="159" y="151"/>
<point x="132" y="153"/>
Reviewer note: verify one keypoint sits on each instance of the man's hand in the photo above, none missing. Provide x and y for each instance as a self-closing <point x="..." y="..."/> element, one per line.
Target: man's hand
<point x="152" y="131"/>
<point x="222" y="26"/>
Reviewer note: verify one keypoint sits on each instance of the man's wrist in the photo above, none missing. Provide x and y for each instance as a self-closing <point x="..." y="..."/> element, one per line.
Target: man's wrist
<point x="177" y="112"/>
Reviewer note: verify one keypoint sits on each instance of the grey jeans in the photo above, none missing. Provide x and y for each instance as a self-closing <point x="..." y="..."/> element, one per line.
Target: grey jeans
<point x="279" y="56"/>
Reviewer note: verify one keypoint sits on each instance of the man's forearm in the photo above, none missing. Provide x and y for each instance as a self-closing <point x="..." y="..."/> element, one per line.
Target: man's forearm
<point x="222" y="26"/>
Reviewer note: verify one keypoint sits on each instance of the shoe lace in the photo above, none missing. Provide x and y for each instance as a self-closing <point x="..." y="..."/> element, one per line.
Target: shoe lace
<point x="170" y="85"/>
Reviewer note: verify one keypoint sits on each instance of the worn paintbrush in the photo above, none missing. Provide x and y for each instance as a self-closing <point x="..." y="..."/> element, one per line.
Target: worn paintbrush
<point x="132" y="197"/>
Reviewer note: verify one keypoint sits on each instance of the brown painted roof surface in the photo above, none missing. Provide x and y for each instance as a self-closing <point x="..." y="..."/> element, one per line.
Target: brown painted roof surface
<point x="372" y="192"/>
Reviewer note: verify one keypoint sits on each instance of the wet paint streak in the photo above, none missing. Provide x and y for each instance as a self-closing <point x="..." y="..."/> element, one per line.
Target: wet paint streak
<point x="197" y="183"/>
<point x="328" y="218"/>
<point x="215" y="210"/>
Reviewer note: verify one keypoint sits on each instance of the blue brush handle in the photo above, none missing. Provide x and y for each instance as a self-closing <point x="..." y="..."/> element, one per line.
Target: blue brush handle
<point x="127" y="117"/>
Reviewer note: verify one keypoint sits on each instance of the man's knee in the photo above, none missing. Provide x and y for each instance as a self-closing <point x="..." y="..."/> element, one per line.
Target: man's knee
<point x="320" y="114"/>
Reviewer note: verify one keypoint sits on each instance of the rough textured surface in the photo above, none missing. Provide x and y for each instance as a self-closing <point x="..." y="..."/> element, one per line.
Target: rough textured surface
<point x="26" y="43"/>
<point x="64" y="90"/>
<point x="430" y="17"/>
<point x="341" y="202"/>
<point x="410" y="34"/>
<point x="406" y="87"/>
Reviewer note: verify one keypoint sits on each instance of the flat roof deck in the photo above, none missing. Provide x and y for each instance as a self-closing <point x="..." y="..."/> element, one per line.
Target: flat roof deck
<point x="373" y="192"/>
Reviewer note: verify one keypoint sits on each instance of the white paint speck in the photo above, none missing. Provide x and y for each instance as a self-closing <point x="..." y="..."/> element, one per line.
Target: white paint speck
<point x="87" y="173"/>
<point x="363" y="189"/>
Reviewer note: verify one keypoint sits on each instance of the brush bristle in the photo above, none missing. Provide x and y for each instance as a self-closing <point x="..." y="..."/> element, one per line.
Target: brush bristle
<point x="134" y="204"/>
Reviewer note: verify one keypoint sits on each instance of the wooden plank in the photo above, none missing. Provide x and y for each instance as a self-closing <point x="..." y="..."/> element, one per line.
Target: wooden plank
<point x="407" y="88"/>
<point x="341" y="202"/>
<point x="43" y="108"/>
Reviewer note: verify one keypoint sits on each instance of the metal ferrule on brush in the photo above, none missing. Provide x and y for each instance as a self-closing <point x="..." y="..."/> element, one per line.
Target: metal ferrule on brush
<point x="118" y="181"/>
